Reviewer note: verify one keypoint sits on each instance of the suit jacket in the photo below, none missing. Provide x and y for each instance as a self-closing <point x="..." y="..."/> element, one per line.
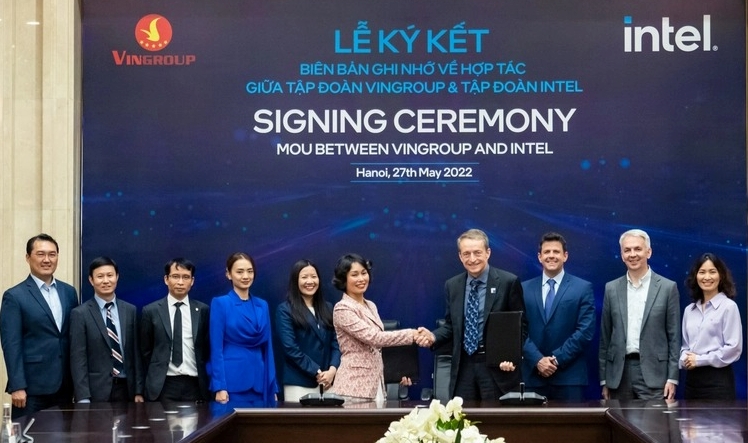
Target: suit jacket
<point x="659" y="339"/>
<point x="566" y="334"/>
<point x="91" y="354"/>
<point x="241" y="347"/>
<point x="361" y="337"/>
<point x="37" y="354"/>
<point x="305" y="351"/>
<point x="503" y="293"/>
<point x="155" y="344"/>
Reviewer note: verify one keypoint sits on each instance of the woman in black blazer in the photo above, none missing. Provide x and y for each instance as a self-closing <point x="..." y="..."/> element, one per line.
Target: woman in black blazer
<point x="304" y="323"/>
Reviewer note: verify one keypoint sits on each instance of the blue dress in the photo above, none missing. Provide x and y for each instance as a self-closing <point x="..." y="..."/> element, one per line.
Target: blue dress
<point x="241" y="350"/>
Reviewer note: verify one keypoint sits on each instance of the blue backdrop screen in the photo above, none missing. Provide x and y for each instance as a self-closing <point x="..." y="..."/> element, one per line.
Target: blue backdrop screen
<point x="292" y="129"/>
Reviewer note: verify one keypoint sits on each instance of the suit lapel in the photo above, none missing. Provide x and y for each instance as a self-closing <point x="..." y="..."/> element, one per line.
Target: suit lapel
<point x="559" y="295"/>
<point x="195" y="317"/>
<point x="369" y="313"/>
<point x="36" y="294"/>
<point x="93" y="310"/>
<point x="654" y="289"/>
<point x="314" y="326"/>
<point x="458" y="321"/>
<point x="623" y="304"/>
<point x="492" y="284"/>
<point x="163" y="312"/>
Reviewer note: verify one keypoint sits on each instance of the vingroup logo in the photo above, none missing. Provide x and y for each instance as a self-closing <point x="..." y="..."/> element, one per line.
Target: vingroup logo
<point x="153" y="32"/>
<point x="687" y="38"/>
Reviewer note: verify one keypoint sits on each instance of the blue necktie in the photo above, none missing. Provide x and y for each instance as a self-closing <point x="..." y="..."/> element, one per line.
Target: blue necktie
<point x="471" y="318"/>
<point x="549" y="298"/>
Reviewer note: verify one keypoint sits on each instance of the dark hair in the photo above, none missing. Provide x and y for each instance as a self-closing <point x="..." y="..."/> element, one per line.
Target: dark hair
<point x="40" y="237"/>
<point x="235" y="257"/>
<point x="726" y="284"/>
<point x="179" y="263"/>
<point x="99" y="262"/>
<point x="344" y="265"/>
<point x="296" y="301"/>
<point x="552" y="236"/>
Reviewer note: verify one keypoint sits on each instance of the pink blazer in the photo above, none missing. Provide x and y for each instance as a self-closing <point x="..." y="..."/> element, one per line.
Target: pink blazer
<point x="361" y="337"/>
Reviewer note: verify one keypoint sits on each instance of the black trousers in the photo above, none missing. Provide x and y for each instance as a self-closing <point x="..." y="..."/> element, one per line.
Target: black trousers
<point x="180" y="388"/>
<point x="474" y="380"/>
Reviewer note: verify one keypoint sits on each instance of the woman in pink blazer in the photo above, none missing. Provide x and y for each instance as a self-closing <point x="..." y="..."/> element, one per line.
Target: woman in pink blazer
<point x="361" y="335"/>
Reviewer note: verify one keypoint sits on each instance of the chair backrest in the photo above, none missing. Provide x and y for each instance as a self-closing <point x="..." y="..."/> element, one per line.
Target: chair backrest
<point x="442" y="370"/>
<point x="391" y="325"/>
<point x="442" y="367"/>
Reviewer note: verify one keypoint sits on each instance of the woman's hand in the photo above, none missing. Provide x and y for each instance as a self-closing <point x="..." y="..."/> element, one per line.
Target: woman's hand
<point x="222" y="396"/>
<point x="405" y="381"/>
<point x="325" y="378"/>
<point x="507" y="366"/>
<point x="690" y="361"/>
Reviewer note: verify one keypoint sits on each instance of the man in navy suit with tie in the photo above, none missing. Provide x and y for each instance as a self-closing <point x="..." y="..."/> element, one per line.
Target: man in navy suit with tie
<point x="471" y="296"/>
<point x="560" y="312"/>
<point x="174" y="340"/>
<point x="34" y="330"/>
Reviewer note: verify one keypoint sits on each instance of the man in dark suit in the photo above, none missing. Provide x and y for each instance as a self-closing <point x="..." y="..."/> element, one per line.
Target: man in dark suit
<point x="561" y="321"/>
<point x="34" y="330"/>
<point x="174" y="361"/>
<point x="494" y="290"/>
<point x="104" y="355"/>
<point x="639" y="328"/>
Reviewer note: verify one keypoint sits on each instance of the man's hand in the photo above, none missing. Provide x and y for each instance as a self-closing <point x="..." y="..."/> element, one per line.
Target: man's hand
<point x="606" y="393"/>
<point x="546" y="366"/>
<point x="669" y="391"/>
<point x="423" y="337"/>
<point x="18" y="398"/>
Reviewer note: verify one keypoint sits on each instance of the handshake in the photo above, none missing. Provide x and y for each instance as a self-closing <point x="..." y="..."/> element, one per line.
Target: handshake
<point x="423" y="337"/>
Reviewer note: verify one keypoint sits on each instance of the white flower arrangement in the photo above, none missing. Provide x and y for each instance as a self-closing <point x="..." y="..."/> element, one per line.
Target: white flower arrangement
<point x="437" y="424"/>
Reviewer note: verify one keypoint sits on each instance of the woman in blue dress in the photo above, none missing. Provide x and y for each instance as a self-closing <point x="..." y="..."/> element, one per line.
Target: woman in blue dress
<point x="304" y="324"/>
<point x="242" y="369"/>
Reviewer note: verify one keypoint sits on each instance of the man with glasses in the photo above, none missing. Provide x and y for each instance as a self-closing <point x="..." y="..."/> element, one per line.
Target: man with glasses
<point x="471" y="296"/>
<point x="174" y="340"/>
<point x="34" y="330"/>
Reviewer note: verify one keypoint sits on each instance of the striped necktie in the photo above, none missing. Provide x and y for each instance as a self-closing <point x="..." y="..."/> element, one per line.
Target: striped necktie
<point x="117" y="362"/>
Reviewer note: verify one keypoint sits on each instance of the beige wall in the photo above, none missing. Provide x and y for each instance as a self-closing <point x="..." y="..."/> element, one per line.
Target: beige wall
<point x="40" y="138"/>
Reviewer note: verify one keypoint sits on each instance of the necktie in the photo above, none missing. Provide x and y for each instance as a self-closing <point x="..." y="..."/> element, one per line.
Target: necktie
<point x="471" y="318"/>
<point x="176" y="341"/>
<point x="549" y="298"/>
<point x="117" y="361"/>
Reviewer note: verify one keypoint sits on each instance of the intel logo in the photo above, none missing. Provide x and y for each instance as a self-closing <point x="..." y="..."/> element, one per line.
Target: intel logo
<point x="687" y="38"/>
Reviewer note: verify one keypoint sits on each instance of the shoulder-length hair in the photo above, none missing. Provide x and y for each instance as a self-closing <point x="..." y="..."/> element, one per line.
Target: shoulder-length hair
<point x="726" y="283"/>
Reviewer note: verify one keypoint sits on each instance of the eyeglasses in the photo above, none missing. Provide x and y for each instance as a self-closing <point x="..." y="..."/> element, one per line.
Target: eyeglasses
<point x="181" y="277"/>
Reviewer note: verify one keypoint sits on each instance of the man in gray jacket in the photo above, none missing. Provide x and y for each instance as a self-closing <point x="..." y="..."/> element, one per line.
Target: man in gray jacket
<point x="639" y="328"/>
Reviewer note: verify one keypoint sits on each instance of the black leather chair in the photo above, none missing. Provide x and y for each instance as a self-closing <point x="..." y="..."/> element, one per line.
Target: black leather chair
<point x="442" y="371"/>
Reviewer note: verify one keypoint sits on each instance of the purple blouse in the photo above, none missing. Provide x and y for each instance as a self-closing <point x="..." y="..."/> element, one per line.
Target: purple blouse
<point x="713" y="333"/>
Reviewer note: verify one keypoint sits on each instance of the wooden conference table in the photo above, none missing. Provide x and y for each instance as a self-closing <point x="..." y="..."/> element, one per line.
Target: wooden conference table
<point x="597" y="421"/>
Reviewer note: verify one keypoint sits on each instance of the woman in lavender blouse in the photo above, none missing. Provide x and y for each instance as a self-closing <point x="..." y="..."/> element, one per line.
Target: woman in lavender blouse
<point x="712" y="332"/>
